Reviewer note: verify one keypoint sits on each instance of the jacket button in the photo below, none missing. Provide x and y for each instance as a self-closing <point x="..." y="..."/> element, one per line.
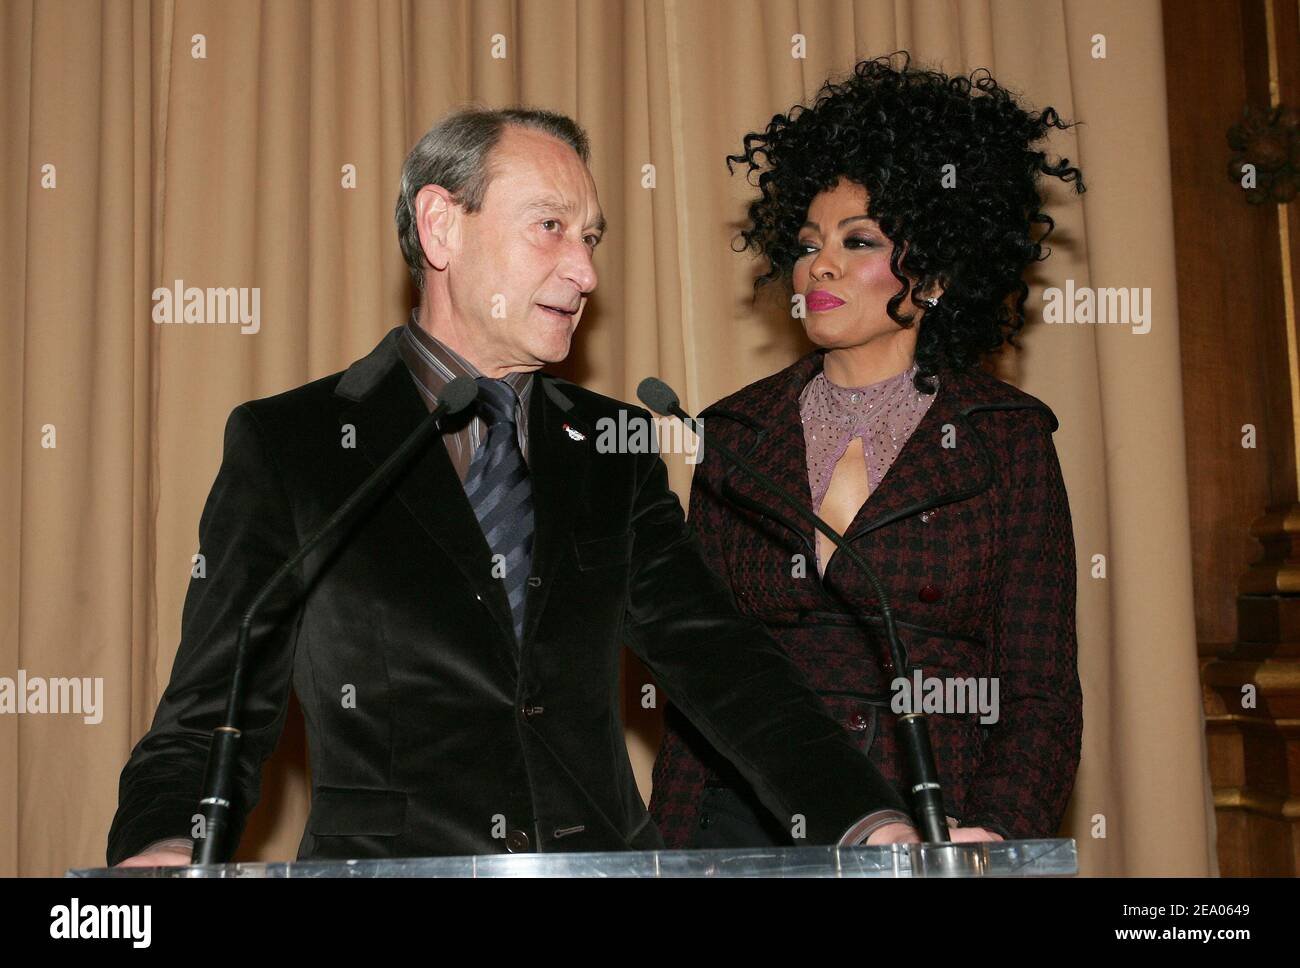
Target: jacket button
<point x="927" y="515"/>
<point x="706" y="821"/>
<point x="516" y="841"/>
<point x="528" y="709"/>
<point x="858" y="721"/>
<point x="889" y="665"/>
<point x="929" y="594"/>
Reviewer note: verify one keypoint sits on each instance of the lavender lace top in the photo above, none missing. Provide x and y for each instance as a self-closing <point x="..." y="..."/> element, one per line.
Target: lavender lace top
<point x="883" y="414"/>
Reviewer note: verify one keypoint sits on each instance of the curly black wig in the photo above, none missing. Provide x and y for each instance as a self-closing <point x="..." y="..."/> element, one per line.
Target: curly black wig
<point x="893" y="131"/>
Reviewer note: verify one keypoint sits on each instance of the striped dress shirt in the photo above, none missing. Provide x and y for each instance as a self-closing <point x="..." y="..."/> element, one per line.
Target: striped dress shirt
<point x="433" y="365"/>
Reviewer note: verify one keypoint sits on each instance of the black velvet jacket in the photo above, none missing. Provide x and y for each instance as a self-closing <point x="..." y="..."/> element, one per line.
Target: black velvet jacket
<point x="430" y="733"/>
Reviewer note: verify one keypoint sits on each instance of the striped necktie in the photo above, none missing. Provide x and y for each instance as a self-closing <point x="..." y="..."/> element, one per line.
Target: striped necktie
<point x="501" y="494"/>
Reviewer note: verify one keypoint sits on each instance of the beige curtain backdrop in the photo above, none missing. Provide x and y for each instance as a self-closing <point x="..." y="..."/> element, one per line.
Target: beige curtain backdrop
<point x="145" y="143"/>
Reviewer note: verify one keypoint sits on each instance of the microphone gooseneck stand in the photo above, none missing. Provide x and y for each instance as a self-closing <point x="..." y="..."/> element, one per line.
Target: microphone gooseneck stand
<point x="913" y="729"/>
<point x="210" y="847"/>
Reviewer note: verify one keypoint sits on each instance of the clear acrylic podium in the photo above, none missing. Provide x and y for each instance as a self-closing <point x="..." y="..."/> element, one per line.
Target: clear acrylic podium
<point x="1010" y="858"/>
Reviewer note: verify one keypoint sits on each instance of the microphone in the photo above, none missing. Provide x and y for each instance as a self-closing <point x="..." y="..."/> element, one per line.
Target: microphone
<point x="913" y="730"/>
<point x="218" y="782"/>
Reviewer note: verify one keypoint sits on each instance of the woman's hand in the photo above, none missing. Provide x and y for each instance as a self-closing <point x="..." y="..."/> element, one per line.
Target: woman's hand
<point x="970" y="835"/>
<point x="894" y="833"/>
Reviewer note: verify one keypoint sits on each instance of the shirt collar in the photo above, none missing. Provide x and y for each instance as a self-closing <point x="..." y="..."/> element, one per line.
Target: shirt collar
<point x="435" y="364"/>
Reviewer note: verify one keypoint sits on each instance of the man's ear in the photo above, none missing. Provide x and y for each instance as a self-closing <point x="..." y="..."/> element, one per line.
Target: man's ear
<point x="437" y="219"/>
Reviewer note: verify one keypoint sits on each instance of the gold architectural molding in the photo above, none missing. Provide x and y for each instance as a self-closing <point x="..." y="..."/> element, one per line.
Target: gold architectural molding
<point x="1278" y="571"/>
<point x="1262" y="804"/>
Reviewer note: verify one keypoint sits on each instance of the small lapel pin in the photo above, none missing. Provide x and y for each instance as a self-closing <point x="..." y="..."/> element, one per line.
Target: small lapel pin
<point x="574" y="434"/>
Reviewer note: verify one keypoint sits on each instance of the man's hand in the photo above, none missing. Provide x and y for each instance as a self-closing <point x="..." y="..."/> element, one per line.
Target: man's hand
<point x="159" y="857"/>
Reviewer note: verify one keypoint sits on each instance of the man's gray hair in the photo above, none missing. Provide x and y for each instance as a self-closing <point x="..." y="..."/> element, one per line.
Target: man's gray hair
<point x="455" y="153"/>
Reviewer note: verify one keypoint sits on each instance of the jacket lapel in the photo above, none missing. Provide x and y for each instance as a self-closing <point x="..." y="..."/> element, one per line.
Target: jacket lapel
<point x="925" y="474"/>
<point x="557" y="462"/>
<point x="379" y="399"/>
<point x="944" y="460"/>
<point x="778" y="450"/>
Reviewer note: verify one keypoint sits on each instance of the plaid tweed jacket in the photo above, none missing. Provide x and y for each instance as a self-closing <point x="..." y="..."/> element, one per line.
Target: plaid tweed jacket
<point x="970" y="533"/>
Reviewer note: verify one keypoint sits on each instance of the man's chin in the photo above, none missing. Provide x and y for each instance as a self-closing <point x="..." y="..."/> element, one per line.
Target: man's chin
<point x="554" y="351"/>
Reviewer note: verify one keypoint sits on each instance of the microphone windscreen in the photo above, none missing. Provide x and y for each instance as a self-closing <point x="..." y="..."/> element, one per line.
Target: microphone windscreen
<point x="458" y="394"/>
<point x="657" y="395"/>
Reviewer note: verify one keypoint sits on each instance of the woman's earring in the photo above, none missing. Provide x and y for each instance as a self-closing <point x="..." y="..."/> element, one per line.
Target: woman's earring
<point x="932" y="301"/>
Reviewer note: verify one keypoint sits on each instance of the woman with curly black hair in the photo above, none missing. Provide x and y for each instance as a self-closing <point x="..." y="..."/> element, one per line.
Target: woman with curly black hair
<point x="900" y="209"/>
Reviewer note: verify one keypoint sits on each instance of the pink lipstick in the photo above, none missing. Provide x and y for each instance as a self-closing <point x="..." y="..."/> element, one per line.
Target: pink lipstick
<point x="819" y="301"/>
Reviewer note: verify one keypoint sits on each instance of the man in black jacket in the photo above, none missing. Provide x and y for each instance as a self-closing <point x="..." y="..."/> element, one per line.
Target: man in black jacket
<point x="457" y="660"/>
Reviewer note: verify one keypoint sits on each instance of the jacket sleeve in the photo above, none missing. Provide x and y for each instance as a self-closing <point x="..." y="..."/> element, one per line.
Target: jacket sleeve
<point x="1031" y="753"/>
<point x="246" y="532"/>
<point x="733" y="681"/>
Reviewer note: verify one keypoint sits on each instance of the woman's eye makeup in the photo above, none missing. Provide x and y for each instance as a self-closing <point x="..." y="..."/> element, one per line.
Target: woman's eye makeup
<point x="805" y="248"/>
